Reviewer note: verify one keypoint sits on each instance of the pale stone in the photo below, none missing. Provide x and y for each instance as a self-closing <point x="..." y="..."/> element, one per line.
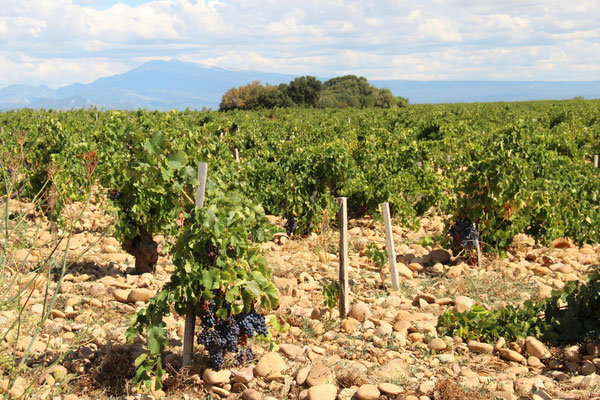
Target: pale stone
<point x="319" y="374"/>
<point x="121" y="295"/>
<point x="216" y="377"/>
<point x="368" y="392"/>
<point x="251" y="394"/>
<point x="536" y="348"/>
<point x="437" y="344"/>
<point x="269" y="363"/>
<point x="142" y="295"/>
<point x="360" y="312"/>
<point x="389" y="388"/>
<point x="325" y="391"/>
<point x="510" y="355"/>
<point x="462" y="304"/>
<point x="480" y="347"/>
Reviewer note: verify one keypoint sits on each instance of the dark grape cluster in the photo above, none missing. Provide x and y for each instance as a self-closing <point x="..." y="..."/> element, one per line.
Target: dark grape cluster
<point x="244" y="356"/>
<point x="212" y="251"/>
<point x="114" y="195"/>
<point x="291" y="226"/>
<point x="219" y="336"/>
<point x="252" y="323"/>
<point x="464" y="234"/>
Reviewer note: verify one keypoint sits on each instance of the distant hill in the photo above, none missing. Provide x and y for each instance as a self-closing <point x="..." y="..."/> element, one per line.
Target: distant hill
<point x="164" y="85"/>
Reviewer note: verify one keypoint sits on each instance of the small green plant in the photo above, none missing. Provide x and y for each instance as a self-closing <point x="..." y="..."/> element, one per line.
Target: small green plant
<point x="331" y="292"/>
<point x="569" y="316"/>
<point x="378" y="258"/>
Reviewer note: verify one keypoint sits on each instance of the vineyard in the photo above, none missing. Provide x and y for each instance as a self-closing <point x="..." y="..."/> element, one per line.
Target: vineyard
<point x="113" y="246"/>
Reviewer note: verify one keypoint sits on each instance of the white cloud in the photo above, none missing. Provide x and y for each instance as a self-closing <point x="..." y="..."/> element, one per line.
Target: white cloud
<point x="62" y="41"/>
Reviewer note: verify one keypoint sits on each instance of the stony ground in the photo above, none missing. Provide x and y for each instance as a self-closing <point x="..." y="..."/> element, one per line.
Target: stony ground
<point x="388" y="347"/>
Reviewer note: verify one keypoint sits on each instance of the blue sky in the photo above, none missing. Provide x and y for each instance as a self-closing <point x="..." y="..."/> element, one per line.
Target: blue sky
<point x="57" y="42"/>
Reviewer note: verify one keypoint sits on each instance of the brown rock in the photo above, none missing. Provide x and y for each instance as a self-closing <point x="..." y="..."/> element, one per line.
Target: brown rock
<point x="477" y="347"/>
<point x="437" y="344"/>
<point x="561" y="243"/>
<point x="510" y="355"/>
<point x="440" y="256"/>
<point x="269" y="363"/>
<point x="319" y="374"/>
<point x="350" y="325"/>
<point x="536" y="348"/>
<point x="360" y="312"/>
<point x="251" y="394"/>
<point x="368" y="392"/>
<point x="142" y="295"/>
<point x="121" y="295"/>
<point x="216" y="377"/>
<point x="325" y="391"/>
<point x="390" y="388"/>
<point x="462" y="304"/>
<point x="291" y="350"/>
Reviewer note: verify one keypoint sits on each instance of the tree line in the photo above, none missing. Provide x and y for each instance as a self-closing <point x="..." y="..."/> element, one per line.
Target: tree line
<point x="307" y="91"/>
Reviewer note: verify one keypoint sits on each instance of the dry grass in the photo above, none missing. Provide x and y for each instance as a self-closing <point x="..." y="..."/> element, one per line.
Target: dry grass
<point x="110" y="371"/>
<point x="448" y="390"/>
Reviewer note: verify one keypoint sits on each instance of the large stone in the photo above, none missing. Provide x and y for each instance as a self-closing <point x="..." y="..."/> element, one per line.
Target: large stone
<point x="437" y="344"/>
<point x="121" y="295"/>
<point x="270" y="363"/>
<point x="462" y="304"/>
<point x="368" y="392"/>
<point x="216" y="377"/>
<point x="561" y="243"/>
<point x="291" y="350"/>
<point x="244" y="375"/>
<point x="319" y="374"/>
<point x="480" y="347"/>
<point x="404" y="271"/>
<point x="536" y="348"/>
<point x="360" y="312"/>
<point x="390" y="388"/>
<point x="251" y="394"/>
<point x="510" y="355"/>
<point x="439" y="256"/>
<point x="326" y="391"/>
<point x="142" y="295"/>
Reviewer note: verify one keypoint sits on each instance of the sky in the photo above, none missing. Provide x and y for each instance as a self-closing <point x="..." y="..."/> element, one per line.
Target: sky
<point x="58" y="42"/>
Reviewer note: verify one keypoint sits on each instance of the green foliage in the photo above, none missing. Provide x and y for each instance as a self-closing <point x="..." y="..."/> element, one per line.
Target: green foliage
<point x="331" y="292"/>
<point x="352" y="91"/>
<point x="216" y="259"/>
<point x="307" y="91"/>
<point x="570" y="316"/>
<point x="517" y="184"/>
<point x="378" y="257"/>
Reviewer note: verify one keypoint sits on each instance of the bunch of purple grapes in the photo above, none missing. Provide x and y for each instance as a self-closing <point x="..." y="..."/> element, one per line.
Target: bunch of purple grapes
<point x="464" y="234"/>
<point x="219" y="336"/>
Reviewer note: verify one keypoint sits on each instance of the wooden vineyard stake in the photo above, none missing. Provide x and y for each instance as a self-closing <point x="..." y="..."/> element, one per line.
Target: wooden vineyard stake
<point x="344" y="286"/>
<point x="595" y="166"/>
<point x="389" y="236"/>
<point x="237" y="155"/>
<point x="190" y="315"/>
<point x="478" y="248"/>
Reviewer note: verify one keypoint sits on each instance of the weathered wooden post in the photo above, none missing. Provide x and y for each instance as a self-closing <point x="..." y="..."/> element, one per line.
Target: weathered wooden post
<point x="237" y="155"/>
<point x="344" y="286"/>
<point x="190" y="316"/>
<point x="595" y="166"/>
<point x="389" y="236"/>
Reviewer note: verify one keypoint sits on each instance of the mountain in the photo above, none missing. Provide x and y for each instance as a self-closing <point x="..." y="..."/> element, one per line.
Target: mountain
<point x="164" y="85"/>
<point x="485" y="91"/>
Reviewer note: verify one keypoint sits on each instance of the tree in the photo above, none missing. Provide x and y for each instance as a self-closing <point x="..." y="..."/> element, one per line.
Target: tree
<point x="354" y="91"/>
<point x="305" y="91"/>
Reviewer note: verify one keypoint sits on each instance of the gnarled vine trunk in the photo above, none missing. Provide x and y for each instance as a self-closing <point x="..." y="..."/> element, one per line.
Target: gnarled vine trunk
<point x="145" y="251"/>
